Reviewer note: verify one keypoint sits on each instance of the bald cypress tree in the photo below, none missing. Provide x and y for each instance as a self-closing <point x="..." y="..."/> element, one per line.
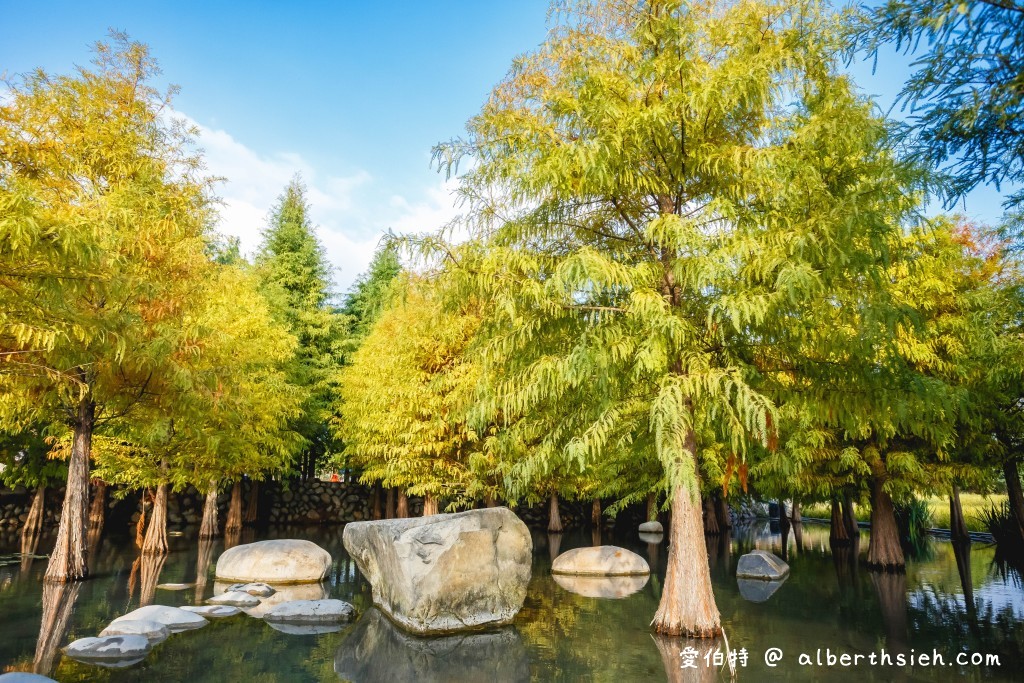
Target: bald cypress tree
<point x="658" y="192"/>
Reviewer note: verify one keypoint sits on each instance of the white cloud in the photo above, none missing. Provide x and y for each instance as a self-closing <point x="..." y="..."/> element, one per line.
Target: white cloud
<point x="351" y="211"/>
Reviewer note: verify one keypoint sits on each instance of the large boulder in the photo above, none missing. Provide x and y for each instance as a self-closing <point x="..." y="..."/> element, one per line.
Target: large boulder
<point x="174" y="618"/>
<point x="277" y="561"/>
<point x="448" y="572"/>
<point x="376" y="650"/>
<point x="602" y="560"/>
<point x="763" y="565"/>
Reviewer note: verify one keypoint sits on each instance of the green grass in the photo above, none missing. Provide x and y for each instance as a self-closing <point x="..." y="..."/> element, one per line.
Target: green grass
<point x="973" y="505"/>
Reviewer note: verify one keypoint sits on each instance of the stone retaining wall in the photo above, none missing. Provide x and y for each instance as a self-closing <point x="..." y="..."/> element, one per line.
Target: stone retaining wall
<point x="295" y="502"/>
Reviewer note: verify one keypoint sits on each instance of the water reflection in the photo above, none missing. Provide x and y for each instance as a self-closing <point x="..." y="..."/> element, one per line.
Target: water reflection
<point x="58" y="605"/>
<point x="609" y="587"/>
<point x="376" y="650"/>
<point x="671" y="652"/>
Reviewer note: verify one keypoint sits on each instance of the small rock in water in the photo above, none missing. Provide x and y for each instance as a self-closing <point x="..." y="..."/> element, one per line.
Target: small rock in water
<point x="236" y="598"/>
<point x="761" y="564"/>
<point x="260" y="590"/>
<point x="174" y="586"/>
<point x="116" y="651"/>
<point x="24" y="677"/>
<point x="213" y="611"/>
<point x="652" y="528"/>
<point x="174" y="618"/>
<point x="153" y="631"/>
<point x="328" y="611"/>
<point x="602" y="560"/>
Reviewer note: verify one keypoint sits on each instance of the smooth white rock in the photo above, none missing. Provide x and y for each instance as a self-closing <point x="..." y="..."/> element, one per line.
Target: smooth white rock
<point x="284" y="593"/>
<point x="174" y="586"/>
<point x="652" y="528"/>
<point x="213" y="611"/>
<point x="154" y="631"/>
<point x="328" y="611"/>
<point x="24" y="677"/>
<point x="234" y="598"/>
<point x="763" y="565"/>
<point x="259" y="589"/>
<point x="109" y="648"/>
<point x="275" y="561"/>
<point x="602" y="560"/>
<point x="174" y="618"/>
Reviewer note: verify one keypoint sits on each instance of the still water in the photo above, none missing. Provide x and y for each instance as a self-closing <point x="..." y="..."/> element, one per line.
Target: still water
<point x="829" y="603"/>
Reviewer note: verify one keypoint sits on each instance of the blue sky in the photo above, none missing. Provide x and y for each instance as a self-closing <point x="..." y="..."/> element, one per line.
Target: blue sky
<point x="351" y="94"/>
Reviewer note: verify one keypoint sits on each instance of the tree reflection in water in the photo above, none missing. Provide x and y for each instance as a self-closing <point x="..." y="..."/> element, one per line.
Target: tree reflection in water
<point x="58" y="605"/>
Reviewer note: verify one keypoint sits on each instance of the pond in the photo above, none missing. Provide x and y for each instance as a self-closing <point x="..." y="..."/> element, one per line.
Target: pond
<point x="829" y="603"/>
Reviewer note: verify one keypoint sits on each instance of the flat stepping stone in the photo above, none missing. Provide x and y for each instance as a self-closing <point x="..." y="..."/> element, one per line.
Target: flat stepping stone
<point x="761" y="564"/>
<point x="110" y="649"/>
<point x="174" y="618"/>
<point x="24" y="677"/>
<point x="327" y="611"/>
<point x="234" y="598"/>
<point x="602" y="560"/>
<point x="153" y="631"/>
<point x="174" y="586"/>
<point x="260" y="590"/>
<point x="652" y="528"/>
<point x="213" y="611"/>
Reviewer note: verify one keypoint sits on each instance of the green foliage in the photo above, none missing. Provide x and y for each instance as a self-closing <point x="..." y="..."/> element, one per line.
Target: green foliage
<point x="967" y="92"/>
<point x="295" y="277"/>
<point x="371" y="293"/>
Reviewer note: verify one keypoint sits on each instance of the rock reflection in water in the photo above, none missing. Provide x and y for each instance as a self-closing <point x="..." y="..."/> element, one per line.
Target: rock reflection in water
<point x="758" y="590"/>
<point x="377" y="650"/>
<point x="613" y="587"/>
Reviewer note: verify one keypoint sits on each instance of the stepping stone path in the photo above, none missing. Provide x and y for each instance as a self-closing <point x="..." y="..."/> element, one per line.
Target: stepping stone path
<point x="174" y="586"/>
<point x="174" y="618"/>
<point x="235" y="598"/>
<point x="213" y="611"/>
<point x="153" y="631"/>
<point x="260" y="590"/>
<point x="109" y="650"/>
<point x="328" y="611"/>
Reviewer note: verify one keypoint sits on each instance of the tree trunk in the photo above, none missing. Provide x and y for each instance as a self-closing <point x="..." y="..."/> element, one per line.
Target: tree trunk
<point x="850" y="517"/>
<point x="1016" y="496"/>
<point x="710" y="517"/>
<point x="884" y="550"/>
<point x="722" y="512"/>
<point x="429" y="505"/>
<point x="68" y="560"/>
<point x="402" y="510"/>
<point x="98" y="506"/>
<point x="156" y="533"/>
<point x="595" y="513"/>
<point x="687" y="605"/>
<point x="554" y="517"/>
<point x="234" y="522"/>
<point x="389" y="507"/>
<point x="957" y="524"/>
<point x="783" y="517"/>
<point x="795" y="516"/>
<point x="34" y="522"/>
<point x="652" y="507"/>
<point x="203" y="560"/>
<point x="375" y="509"/>
<point x="209" y="527"/>
<point x="838" y="532"/>
<point x="252" y="509"/>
